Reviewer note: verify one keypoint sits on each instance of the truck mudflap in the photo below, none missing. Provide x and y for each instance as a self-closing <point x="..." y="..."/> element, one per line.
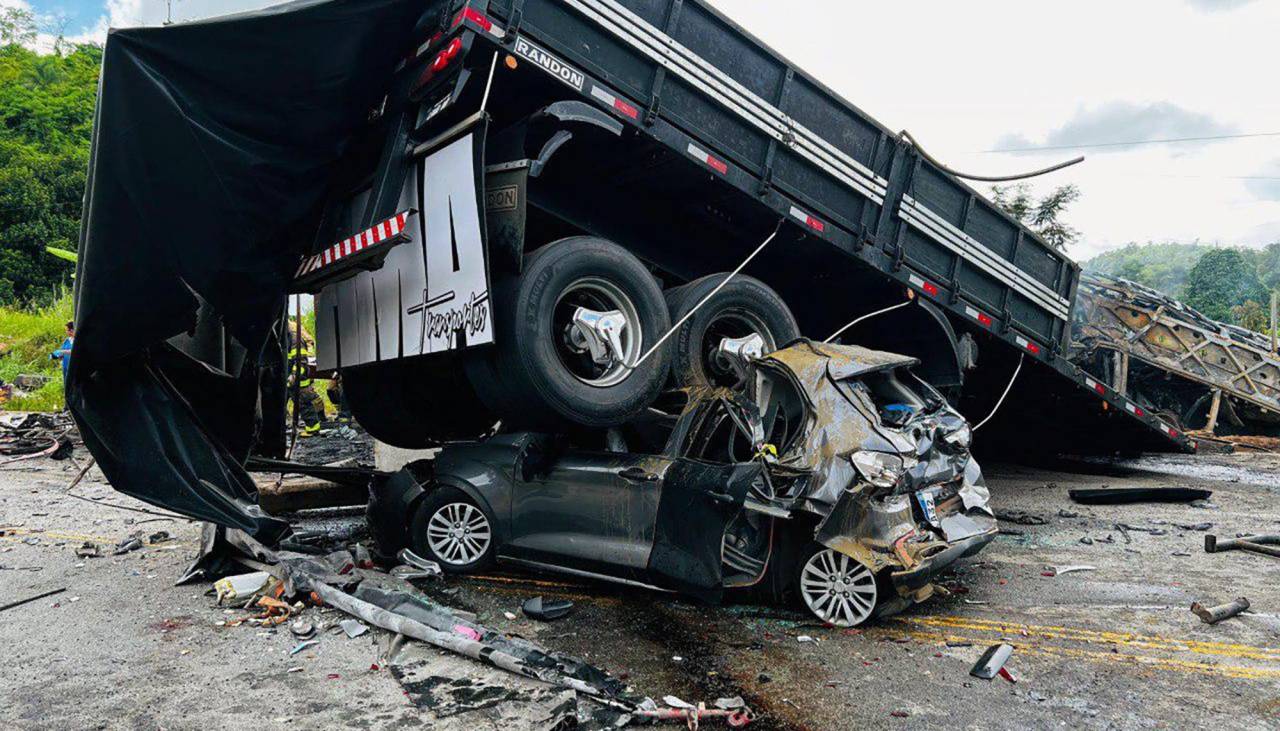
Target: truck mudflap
<point x="431" y="292"/>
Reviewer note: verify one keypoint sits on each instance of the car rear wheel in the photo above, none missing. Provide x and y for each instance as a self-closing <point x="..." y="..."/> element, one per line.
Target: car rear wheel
<point x="571" y="330"/>
<point x="742" y="308"/>
<point x="836" y="588"/>
<point x="452" y="530"/>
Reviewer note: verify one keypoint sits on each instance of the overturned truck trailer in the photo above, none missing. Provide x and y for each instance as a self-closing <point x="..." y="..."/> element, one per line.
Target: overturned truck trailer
<point x="502" y="207"/>
<point x="1197" y="372"/>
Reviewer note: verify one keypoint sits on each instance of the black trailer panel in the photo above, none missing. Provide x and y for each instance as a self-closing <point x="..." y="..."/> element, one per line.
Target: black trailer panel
<point x="692" y="79"/>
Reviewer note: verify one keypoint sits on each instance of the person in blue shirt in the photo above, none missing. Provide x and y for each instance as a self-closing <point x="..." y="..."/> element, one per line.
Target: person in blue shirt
<point x="64" y="350"/>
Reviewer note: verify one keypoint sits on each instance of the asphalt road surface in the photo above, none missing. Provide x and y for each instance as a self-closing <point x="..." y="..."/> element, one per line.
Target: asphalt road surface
<point x="1110" y="647"/>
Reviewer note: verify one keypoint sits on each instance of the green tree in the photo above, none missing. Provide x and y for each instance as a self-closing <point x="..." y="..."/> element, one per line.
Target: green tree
<point x="1221" y="280"/>
<point x="1250" y="315"/>
<point x="17" y="26"/>
<point x="1269" y="267"/>
<point x="46" y="118"/>
<point x="1043" y="216"/>
<point x="1161" y="266"/>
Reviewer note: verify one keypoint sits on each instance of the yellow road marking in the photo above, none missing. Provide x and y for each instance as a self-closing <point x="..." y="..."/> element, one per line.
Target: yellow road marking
<point x="1152" y="642"/>
<point x="14" y="534"/>
<point x="1119" y="658"/>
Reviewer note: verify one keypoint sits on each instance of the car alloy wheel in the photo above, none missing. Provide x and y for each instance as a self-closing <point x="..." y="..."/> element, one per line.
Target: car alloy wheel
<point x="458" y="533"/>
<point x="837" y="588"/>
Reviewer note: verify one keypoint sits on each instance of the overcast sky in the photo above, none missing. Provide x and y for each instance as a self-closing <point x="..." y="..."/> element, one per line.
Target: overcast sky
<point x="968" y="77"/>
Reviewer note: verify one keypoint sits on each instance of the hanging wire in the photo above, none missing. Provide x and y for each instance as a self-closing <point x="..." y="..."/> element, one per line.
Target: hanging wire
<point x="1007" y="389"/>
<point x="986" y="178"/>
<point x="869" y="315"/>
<point x="704" y="300"/>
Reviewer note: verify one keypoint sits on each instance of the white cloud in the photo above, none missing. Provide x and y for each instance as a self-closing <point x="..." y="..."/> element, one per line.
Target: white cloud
<point x="1121" y="121"/>
<point x="962" y="75"/>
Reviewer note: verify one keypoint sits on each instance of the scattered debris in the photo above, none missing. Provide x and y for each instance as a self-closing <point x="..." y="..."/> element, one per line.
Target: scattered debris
<point x="1020" y="517"/>
<point x="232" y="588"/>
<point x="992" y="662"/>
<point x="132" y="543"/>
<point x="1062" y="570"/>
<point x="1086" y="540"/>
<point x="1265" y="544"/>
<point x="159" y="537"/>
<point x="302" y="629"/>
<point x="539" y="608"/>
<point x="1194" y="526"/>
<point x="89" y="549"/>
<point x="1127" y="495"/>
<point x="1213" y="615"/>
<point x="302" y="646"/>
<point x="29" y="599"/>
<point x="806" y="638"/>
<point x="353" y="628"/>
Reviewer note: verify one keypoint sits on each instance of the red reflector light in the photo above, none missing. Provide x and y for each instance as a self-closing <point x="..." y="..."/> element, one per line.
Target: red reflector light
<point x="441" y="61"/>
<point x="626" y="108"/>
<point x="474" y="16"/>
<point x="930" y="289"/>
<point x="1099" y="388"/>
<point x="1033" y="348"/>
<point x="452" y="49"/>
<point x="984" y="319"/>
<point x="1139" y="411"/>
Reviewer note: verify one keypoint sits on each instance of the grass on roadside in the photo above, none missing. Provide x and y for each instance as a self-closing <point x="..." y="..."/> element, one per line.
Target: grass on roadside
<point x="27" y="337"/>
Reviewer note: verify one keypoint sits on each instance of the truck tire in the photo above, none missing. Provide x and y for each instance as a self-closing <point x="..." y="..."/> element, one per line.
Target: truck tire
<point x="744" y="306"/>
<point x="537" y="376"/>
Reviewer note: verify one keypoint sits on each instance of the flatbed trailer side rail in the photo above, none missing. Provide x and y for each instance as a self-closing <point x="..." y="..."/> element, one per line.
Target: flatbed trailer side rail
<point x="896" y="212"/>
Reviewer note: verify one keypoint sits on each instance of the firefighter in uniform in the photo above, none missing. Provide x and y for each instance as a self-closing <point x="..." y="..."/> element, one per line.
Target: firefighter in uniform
<point x="308" y="406"/>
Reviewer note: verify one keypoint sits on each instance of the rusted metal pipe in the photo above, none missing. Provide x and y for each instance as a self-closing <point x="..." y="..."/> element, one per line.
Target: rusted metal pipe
<point x="1213" y="615"/>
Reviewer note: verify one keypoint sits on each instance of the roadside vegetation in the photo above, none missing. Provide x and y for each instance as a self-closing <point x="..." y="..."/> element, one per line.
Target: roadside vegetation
<point x="28" y="334"/>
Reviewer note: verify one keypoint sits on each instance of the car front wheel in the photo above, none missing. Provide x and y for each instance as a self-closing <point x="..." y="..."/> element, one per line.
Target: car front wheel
<point x="452" y="530"/>
<point x="837" y="588"/>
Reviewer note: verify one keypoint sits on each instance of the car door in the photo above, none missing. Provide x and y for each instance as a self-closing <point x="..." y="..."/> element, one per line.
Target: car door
<point x="592" y="511"/>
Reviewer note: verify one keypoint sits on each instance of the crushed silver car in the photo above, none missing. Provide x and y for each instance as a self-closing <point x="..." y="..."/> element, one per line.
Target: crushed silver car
<point x="830" y="474"/>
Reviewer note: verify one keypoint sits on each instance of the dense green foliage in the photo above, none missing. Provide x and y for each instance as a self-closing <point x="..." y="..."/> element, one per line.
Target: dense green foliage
<point x="46" y="117"/>
<point x="27" y="336"/>
<point x="1221" y="280"/>
<point x="1159" y="266"/>
<point x="1228" y="284"/>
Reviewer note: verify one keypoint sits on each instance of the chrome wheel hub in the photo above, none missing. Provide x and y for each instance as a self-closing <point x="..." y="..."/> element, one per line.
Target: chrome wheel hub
<point x="837" y="588"/>
<point x="458" y="533"/>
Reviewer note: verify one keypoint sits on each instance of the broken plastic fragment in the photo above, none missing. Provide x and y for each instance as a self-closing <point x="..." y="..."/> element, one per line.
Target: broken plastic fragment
<point x="539" y="608"/>
<point x="232" y="588"/>
<point x="992" y="662"/>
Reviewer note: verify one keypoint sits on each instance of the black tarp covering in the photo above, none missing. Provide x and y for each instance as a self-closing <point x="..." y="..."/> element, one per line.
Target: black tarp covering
<point x="212" y="150"/>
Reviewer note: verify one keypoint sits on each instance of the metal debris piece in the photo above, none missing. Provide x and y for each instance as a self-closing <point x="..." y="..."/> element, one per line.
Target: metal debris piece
<point x="1194" y="526"/>
<point x="159" y="536"/>
<point x="132" y="543"/>
<point x="29" y="599"/>
<point x="992" y="662"/>
<point x="1213" y="615"/>
<point x="1061" y="570"/>
<point x="1127" y="495"/>
<point x="546" y="610"/>
<point x="1265" y="544"/>
<point x="424" y="565"/>
<point x="88" y="549"/>
<point x="302" y="629"/>
<point x="353" y="628"/>
<point x="1020" y="517"/>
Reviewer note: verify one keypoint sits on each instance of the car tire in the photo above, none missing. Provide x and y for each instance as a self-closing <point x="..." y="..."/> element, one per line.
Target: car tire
<point x="836" y="588"/>
<point x="446" y="528"/>
<point x="534" y="377"/>
<point x="745" y="305"/>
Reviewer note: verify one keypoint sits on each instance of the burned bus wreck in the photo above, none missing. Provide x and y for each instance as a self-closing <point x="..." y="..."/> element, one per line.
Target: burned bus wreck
<point x="829" y="475"/>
